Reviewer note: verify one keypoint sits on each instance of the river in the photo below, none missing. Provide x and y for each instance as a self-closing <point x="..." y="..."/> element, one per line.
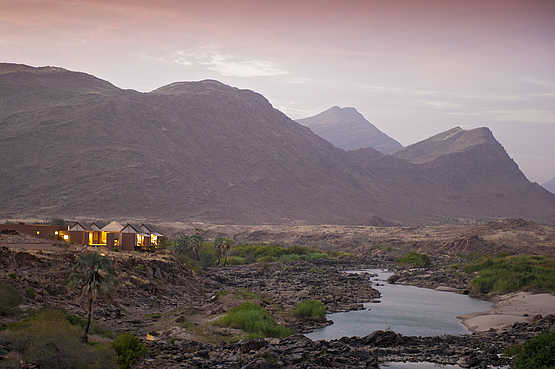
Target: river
<point x="408" y="310"/>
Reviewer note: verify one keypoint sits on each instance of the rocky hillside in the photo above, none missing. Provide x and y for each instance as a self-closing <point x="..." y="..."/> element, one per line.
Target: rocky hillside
<point x="73" y="145"/>
<point x="550" y="185"/>
<point x="346" y="128"/>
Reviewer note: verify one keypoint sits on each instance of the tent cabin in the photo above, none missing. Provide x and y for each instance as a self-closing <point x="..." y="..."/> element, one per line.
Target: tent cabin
<point x="94" y="234"/>
<point x="77" y="233"/>
<point x="109" y="234"/>
<point x="130" y="236"/>
<point x="152" y="235"/>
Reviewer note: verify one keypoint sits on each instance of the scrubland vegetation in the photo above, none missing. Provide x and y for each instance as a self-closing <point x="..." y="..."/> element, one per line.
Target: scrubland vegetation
<point x="253" y="319"/>
<point x="415" y="259"/>
<point x="537" y="353"/>
<point x="503" y="274"/>
<point x="53" y="339"/>
<point x="196" y="252"/>
<point x="310" y="309"/>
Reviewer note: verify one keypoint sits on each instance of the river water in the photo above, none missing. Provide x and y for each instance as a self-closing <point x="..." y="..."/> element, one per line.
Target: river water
<point x="408" y="310"/>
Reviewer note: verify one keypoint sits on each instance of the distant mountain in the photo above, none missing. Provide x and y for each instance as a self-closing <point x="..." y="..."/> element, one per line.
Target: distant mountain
<point x="346" y="128"/>
<point x="550" y="185"/>
<point x="448" y="142"/>
<point x="73" y="144"/>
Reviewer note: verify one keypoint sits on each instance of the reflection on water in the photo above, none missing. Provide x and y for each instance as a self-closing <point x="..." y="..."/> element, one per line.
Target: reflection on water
<point x="407" y="310"/>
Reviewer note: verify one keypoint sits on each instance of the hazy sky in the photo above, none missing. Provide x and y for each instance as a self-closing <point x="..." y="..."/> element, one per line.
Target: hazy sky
<point x="413" y="68"/>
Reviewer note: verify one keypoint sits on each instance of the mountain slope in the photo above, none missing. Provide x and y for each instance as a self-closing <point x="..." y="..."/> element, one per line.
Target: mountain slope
<point x="346" y="128"/>
<point x="76" y="145"/>
<point x="550" y="185"/>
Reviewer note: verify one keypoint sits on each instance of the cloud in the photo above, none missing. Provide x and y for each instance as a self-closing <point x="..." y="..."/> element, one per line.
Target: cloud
<point x="441" y="104"/>
<point x="226" y="64"/>
<point x="524" y="115"/>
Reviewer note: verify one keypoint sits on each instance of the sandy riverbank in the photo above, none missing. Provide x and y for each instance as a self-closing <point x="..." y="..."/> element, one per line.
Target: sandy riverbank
<point x="509" y="309"/>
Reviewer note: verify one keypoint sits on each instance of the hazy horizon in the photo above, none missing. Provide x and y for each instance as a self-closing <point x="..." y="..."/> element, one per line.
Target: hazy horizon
<point x="413" y="69"/>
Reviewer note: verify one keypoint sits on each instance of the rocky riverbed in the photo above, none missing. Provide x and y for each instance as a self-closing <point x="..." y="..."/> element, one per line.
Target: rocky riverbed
<point x="469" y="351"/>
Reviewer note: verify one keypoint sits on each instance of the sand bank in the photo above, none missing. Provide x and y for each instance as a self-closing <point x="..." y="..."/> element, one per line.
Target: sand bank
<point x="509" y="309"/>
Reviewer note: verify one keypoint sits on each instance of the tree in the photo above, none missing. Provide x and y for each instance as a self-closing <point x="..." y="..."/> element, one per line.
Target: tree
<point x="223" y="247"/>
<point x="195" y="242"/>
<point x="94" y="275"/>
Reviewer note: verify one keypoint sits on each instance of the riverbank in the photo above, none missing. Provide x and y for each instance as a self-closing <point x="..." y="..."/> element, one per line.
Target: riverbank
<point x="510" y="309"/>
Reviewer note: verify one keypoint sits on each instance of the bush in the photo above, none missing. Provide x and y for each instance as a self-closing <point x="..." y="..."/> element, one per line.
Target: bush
<point x="129" y="349"/>
<point x="48" y="340"/>
<point x="310" y="309"/>
<point x="415" y="259"/>
<point x="537" y="353"/>
<point x="208" y="256"/>
<point x="9" y="299"/>
<point x="503" y="274"/>
<point x="271" y="253"/>
<point x="252" y="318"/>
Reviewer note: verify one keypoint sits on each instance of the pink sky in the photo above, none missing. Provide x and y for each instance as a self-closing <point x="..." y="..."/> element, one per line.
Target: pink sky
<point x="413" y="68"/>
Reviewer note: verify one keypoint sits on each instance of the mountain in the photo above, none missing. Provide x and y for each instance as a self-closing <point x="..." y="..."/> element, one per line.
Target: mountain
<point x="550" y="185"/>
<point x="73" y="144"/>
<point x="346" y="128"/>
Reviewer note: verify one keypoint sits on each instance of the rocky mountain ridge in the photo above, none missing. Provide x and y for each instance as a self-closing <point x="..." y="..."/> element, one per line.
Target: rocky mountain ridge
<point x="74" y="144"/>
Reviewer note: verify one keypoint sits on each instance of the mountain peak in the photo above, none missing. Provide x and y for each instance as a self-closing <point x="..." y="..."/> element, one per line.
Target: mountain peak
<point x="347" y="128"/>
<point x="453" y="140"/>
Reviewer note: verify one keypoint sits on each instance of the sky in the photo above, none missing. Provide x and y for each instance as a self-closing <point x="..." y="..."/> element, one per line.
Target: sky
<point x="413" y="68"/>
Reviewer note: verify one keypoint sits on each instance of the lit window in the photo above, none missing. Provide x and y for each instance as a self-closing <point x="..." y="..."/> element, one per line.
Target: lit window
<point x="56" y="233"/>
<point x="66" y="237"/>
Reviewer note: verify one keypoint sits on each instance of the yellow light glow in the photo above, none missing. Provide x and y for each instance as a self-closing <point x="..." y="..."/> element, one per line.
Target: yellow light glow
<point x="38" y="232"/>
<point x="153" y="239"/>
<point x="56" y="233"/>
<point x="90" y="238"/>
<point x="102" y="254"/>
<point x="66" y="237"/>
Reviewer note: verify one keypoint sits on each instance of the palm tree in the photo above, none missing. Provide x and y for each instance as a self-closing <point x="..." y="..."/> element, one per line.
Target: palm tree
<point x="93" y="274"/>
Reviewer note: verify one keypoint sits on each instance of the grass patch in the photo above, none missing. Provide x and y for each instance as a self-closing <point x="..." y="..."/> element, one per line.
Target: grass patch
<point x="9" y="299"/>
<point x="503" y="274"/>
<point x="154" y="316"/>
<point x="310" y="309"/>
<point x="49" y="340"/>
<point x="536" y="353"/>
<point x="415" y="259"/>
<point x="253" y="319"/>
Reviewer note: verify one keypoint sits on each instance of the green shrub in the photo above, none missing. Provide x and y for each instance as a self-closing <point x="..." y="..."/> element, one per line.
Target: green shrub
<point x="129" y="349"/>
<point x="9" y="299"/>
<point x="415" y="259"/>
<point x="236" y="260"/>
<point x="271" y="253"/>
<point x="503" y="274"/>
<point x="48" y="340"/>
<point x="30" y="292"/>
<point x="310" y="309"/>
<point x="253" y="319"/>
<point x="207" y="256"/>
<point x="537" y="353"/>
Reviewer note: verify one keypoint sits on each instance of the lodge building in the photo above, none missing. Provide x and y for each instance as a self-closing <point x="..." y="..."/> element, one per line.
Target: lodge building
<point x="113" y="234"/>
